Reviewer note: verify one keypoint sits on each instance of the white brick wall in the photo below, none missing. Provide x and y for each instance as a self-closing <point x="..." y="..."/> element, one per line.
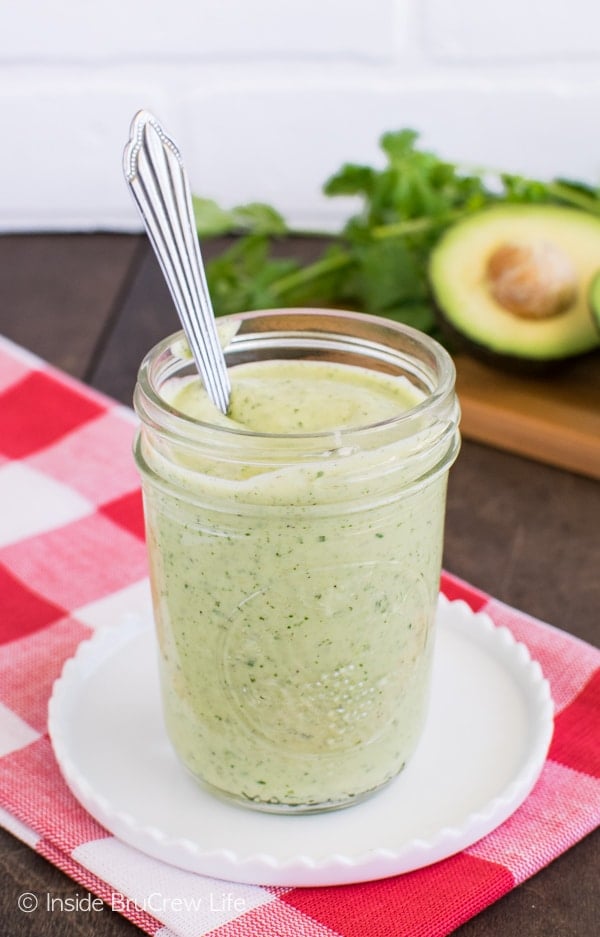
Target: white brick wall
<point x="194" y="30"/>
<point x="267" y="97"/>
<point x="525" y="31"/>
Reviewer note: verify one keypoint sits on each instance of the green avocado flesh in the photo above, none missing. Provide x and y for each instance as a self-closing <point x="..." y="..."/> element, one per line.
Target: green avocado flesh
<point x="459" y="277"/>
<point x="594" y="301"/>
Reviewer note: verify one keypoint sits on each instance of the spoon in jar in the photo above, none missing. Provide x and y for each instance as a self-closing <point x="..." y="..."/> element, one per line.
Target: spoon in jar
<point x="155" y="173"/>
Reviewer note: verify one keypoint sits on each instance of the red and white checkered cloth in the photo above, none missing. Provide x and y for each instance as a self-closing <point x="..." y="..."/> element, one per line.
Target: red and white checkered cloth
<point x="72" y="557"/>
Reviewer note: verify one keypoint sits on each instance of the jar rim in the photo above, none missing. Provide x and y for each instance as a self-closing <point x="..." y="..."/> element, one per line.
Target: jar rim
<point x="182" y="425"/>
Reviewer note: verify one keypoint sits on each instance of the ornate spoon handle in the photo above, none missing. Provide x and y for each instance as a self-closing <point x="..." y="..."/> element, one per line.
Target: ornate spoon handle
<point x="156" y="176"/>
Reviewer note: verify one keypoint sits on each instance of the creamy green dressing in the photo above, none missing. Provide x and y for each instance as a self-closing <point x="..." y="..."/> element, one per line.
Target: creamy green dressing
<point x="302" y="396"/>
<point x="295" y="602"/>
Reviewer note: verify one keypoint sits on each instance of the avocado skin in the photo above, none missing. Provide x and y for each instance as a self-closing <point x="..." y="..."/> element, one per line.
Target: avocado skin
<point x="517" y="361"/>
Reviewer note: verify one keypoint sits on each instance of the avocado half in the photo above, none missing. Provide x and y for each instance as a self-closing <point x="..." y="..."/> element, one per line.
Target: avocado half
<point x="512" y="282"/>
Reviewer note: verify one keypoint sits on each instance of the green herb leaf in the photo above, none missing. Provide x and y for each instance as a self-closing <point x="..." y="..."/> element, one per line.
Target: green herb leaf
<point x="351" y="180"/>
<point x="399" y="144"/>
<point x="389" y="275"/>
<point x="243" y="276"/>
<point x="212" y="220"/>
<point x="260" y="218"/>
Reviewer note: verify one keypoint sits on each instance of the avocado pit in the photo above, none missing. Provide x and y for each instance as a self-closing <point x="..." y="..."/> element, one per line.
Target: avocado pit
<point x="532" y="280"/>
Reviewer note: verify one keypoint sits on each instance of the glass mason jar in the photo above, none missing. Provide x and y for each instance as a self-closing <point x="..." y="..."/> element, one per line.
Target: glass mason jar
<point x="295" y="575"/>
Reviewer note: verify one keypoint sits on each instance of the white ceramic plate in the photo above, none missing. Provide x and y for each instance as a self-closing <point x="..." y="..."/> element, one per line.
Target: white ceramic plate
<point x="485" y="742"/>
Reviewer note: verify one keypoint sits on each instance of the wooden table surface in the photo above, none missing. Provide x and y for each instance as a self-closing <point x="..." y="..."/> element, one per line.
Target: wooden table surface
<point x="523" y="531"/>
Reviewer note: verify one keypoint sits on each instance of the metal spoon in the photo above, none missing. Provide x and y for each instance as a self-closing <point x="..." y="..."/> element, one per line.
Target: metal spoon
<point x="156" y="176"/>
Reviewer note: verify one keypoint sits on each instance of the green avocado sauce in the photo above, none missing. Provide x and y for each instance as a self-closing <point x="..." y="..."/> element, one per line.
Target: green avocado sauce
<point x="295" y="599"/>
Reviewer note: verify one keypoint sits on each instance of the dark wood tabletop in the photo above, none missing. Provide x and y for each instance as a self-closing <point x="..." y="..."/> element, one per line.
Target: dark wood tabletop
<point x="520" y="530"/>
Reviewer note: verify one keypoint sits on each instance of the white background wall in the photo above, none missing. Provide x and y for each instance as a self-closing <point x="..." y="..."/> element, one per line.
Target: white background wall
<point x="266" y="98"/>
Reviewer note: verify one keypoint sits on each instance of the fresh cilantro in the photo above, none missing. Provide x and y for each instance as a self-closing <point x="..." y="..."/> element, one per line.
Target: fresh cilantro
<point x="378" y="262"/>
<point x="212" y="220"/>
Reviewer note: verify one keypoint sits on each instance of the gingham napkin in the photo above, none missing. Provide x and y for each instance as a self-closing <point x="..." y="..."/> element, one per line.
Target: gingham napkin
<point x="72" y="557"/>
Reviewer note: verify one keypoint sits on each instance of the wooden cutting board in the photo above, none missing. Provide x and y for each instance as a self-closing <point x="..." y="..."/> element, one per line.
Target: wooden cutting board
<point x="554" y="419"/>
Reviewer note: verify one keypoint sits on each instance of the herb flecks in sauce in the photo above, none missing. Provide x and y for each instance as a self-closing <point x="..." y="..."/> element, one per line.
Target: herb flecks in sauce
<point x="296" y="603"/>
